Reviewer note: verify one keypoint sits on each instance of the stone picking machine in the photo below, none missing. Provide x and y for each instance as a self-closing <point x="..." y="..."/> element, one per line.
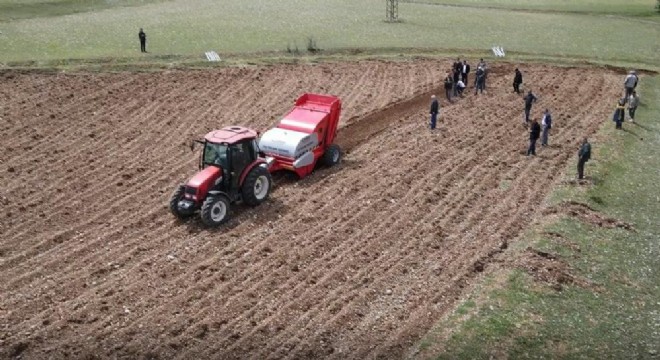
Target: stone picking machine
<point x="236" y="164"/>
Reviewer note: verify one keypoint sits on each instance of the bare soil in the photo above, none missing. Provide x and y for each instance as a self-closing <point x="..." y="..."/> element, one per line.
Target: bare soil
<point x="357" y="261"/>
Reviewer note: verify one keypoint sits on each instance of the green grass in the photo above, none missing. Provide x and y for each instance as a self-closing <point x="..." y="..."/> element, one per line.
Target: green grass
<point x="27" y="9"/>
<point x="617" y="313"/>
<point x="177" y="29"/>
<point x="644" y="8"/>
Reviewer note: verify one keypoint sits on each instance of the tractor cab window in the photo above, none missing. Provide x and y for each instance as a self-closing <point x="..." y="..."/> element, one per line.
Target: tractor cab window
<point x="241" y="156"/>
<point x="215" y="154"/>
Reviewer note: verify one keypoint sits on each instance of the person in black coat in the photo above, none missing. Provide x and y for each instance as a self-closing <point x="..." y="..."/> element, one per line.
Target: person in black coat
<point x="143" y="41"/>
<point x="517" y="80"/>
<point x="529" y="100"/>
<point x="457" y="66"/>
<point x="456" y="78"/>
<point x="583" y="156"/>
<point x="435" y="108"/>
<point x="449" y="85"/>
<point x="534" y="134"/>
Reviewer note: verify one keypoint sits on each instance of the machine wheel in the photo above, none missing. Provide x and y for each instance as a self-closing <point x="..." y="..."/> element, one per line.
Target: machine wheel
<point x="332" y="155"/>
<point x="256" y="186"/>
<point x="215" y="210"/>
<point x="177" y="195"/>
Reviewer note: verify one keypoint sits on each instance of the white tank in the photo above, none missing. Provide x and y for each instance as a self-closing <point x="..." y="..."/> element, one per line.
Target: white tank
<point x="287" y="143"/>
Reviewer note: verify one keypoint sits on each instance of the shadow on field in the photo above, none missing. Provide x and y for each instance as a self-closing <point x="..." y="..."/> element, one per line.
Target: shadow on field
<point x="260" y="215"/>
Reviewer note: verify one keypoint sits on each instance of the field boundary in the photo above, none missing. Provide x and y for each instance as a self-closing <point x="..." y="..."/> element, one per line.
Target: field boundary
<point x="160" y="63"/>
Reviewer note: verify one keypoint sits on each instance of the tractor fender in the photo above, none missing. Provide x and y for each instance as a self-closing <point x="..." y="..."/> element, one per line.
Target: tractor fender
<point x="249" y="168"/>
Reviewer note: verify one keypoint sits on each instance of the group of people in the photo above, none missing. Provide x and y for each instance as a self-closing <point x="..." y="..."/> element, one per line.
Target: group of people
<point x="456" y="80"/>
<point x="629" y="100"/>
<point x="455" y="85"/>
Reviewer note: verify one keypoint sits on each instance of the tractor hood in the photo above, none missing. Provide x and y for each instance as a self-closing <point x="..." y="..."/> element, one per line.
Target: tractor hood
<point x="205" y="178"/>
<point x="287" y="143"/>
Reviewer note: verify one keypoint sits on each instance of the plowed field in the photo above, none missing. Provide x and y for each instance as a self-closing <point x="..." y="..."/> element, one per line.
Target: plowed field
<point x="355" y="261"/>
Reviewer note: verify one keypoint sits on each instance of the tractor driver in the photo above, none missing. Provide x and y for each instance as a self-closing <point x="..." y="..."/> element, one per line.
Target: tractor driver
<point x="215" y="155"/>
<point x="218" y="158"/>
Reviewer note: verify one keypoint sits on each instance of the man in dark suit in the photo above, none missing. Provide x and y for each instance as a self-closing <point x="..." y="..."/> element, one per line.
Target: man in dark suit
<point x="457" y="65"/>
<point x="517" y="80"/>
<point x="456" y="78"/>
<point x="449" y="85"/>
<point x="529" y="100"/>
<point x="435" y="108"/>
<point x="143" y="41"/>
<point x="534" y="134"/>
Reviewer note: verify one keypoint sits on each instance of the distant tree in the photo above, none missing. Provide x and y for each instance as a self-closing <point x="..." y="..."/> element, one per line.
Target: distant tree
<point x="657" y="6"/>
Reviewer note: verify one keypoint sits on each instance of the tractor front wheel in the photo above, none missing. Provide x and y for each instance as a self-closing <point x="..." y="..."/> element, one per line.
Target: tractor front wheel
<point x="215" y="210"/>
<point x="332" y="155"/>
<point x="177" y="195"/>
<point x="256" y="186"/>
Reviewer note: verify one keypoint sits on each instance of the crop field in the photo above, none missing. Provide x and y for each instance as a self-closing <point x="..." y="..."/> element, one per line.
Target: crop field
<point x="352" y="261"/>
<point x="367" y="259"/>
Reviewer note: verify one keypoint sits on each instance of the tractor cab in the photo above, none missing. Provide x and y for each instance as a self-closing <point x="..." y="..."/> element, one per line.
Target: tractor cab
<point x="230" y="171"/>
<point x="231" y="149"/>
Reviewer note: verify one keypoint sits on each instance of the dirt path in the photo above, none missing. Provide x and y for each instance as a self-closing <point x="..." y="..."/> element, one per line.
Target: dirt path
<point x="356" y="261"/>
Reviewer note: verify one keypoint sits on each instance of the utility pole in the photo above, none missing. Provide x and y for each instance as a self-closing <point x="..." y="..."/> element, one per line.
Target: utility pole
<point x="392" y="10"/>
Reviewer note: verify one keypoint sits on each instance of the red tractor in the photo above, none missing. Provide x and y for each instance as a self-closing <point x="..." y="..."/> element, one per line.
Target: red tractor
<point x="235" y="164"/>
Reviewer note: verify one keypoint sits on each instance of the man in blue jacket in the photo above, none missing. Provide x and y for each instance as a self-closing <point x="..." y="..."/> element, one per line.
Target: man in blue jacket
<point x="546" y="125"/>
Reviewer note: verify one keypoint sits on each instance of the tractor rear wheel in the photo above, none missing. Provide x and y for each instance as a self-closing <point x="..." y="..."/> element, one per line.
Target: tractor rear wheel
<point x="215" y="210"/>
<point x="256" y="186"/>
<point x="177" y="195"/>
<point x="332" y="155"/>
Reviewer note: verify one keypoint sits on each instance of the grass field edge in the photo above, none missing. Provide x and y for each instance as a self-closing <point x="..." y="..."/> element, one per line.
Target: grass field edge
<point x="506" y="312"/>
<point x="158" y="63"/>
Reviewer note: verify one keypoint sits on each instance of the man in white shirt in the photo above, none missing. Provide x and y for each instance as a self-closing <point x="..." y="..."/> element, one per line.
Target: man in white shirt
<point x="546" y="124"/>
<point x="460" y="86"/>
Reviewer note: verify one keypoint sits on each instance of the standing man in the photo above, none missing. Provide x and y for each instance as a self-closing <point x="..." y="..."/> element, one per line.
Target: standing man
<point x="583" y="156"/>
<point x="546" y="124"/>
<point x="143" y="41"/>
<point x="630" y="83"/>
<point x="534" y="133"/>
<point x="457" y="65"/>
<point x="456" y="78"/>
<point x="619" y="113"/>
<point x="633" y="101"/>
<point x="479" y="80"/>
<point x="484" y="66"/>
<point x="435" y="108"/>
<point x="529" y="100"/>
<point x="464" y="72"/>
<point x="517" y="80"/>
<point x="449" y="85"/>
